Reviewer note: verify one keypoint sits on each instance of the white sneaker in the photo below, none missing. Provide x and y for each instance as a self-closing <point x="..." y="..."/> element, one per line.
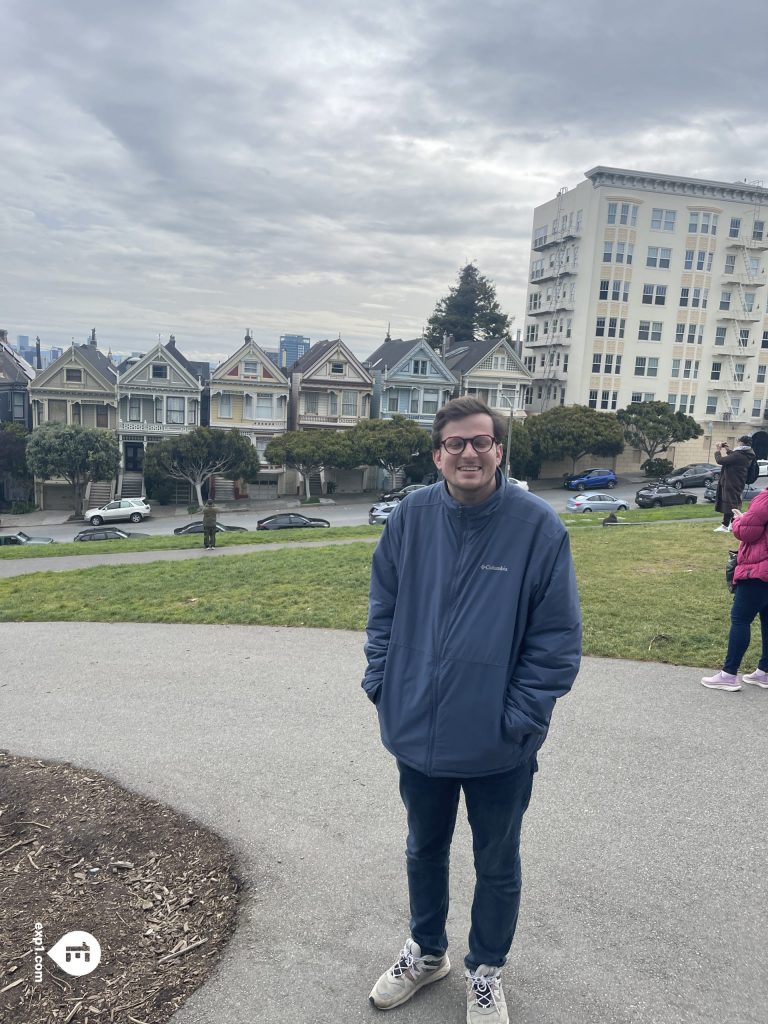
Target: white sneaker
<point x="485" y="996"/>
<point x="757" y="678"/>
<point x="721" y="681"/>
<point x="404" y="979"/>
<point x="722" y="529"/>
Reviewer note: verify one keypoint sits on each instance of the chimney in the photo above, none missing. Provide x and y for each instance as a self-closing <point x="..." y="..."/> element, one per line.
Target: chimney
<point x="38" y="357"/>
<point x="92" y="340"/>
<point x="4" y="337"/>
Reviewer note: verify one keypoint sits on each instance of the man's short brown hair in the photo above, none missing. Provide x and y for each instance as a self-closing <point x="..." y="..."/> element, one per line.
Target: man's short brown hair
<point x="459" y="409"/>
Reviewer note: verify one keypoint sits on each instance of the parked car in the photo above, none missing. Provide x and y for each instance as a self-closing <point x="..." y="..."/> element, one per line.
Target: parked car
<point x="379" y="513"/>
<point x="596" y="503"/>
<point x="749" y="492"/>
<point x="197" y="527"/>
<point x="289" y="521"/>
<point x="656" y="495"/>
<point x="134" y="509"/>
<point x="518" y="483"/>
<point x="8" y="539"/>
<point x="590" y="478"/>
<point x="107" y="533"/>
<point x="695" y="475"/>
<point x="401" y="492"/>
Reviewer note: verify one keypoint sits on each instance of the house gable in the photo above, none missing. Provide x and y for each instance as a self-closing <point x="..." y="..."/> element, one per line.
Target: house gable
<point x="501" y="358"/>
<point x="335" y="365"/>
<point x="237" y="368"/>
<point x="72" y="372"/>
<point x="159" y="369"/>
<point x="420" y="363"/>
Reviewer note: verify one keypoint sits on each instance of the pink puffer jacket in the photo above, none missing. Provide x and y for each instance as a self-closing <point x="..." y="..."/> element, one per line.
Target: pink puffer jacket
<point x="750" y="529"/>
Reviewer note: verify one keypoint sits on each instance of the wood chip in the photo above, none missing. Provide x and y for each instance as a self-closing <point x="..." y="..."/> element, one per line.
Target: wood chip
<point x="13" y="984"/>
<point x="72" y="1012"/>
<point x="181" y="952"/>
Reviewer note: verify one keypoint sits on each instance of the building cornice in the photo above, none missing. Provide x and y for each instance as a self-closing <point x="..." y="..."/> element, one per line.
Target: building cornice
<point x="694" y="188"/>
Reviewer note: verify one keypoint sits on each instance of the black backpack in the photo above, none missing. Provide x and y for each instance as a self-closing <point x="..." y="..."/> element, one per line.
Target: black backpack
<point x="753" y="471"/>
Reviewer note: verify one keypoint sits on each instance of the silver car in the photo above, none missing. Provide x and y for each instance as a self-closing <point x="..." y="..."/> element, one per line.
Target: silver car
<point x="596" y="502"/>
<point x="134" y="509"/>
<point x="379" y="513"/>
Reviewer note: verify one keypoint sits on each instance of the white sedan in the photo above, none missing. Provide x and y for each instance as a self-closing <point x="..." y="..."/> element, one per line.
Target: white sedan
<point x="134" y="509"/>
<point x="518" y="483"/>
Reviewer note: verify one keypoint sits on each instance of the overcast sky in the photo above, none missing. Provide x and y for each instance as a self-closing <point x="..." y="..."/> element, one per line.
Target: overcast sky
<point x="318" y="167"/>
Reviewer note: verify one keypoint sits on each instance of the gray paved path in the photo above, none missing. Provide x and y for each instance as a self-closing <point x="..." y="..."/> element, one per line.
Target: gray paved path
<point x="644" y="850"/>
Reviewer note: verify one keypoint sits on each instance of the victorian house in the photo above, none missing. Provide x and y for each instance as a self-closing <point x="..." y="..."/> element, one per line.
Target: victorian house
<point x="15" y="375"/>
<point x="491" y="371"/>
<point x="411" y="380"/>
<point x="77" y="389"/>
<point x="250" y="394"/>
<point x="159" y="396"/>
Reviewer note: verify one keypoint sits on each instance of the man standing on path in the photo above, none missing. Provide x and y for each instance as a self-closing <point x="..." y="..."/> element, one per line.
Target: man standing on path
<point x="474" y="631"/>
<point x="209" y="524"/>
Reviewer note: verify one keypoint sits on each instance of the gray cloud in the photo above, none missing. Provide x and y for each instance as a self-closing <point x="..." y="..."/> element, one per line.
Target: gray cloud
<point x="197" y="168"/>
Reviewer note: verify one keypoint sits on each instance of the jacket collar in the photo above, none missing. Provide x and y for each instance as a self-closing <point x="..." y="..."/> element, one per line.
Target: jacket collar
<point x="476" y="511"/>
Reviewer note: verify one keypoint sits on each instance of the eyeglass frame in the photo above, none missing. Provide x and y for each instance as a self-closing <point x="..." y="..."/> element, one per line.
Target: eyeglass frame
<point x="469" y="440"/>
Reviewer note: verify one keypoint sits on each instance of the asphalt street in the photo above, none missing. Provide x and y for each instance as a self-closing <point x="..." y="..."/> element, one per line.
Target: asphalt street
<point x="644" y="851"/>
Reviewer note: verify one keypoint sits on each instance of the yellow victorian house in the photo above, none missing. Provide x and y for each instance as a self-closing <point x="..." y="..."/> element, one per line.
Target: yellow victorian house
<point x="249" y="393"/>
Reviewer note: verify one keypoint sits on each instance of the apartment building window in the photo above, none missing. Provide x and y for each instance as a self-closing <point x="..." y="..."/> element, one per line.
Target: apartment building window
<point x="688" y="261"/>
<point x="764" y="343"/>
<point x="720" y="335"/>
<point x="761" y="374"/>
<point x="73" y="376"/>
<point x="695" y="334"/>
<point x="684" y="296"/>
<point x="691" y="369"/>
<point x="743" y="337"/>
<point x="312" y="402"/>
<point x="675" y="368"/>
<point x="658" y="257"/>
<point x="530" y="363"/>
<point x="735" y="228"/>
<point x="702" y="223"/>
<point x="600" y="327"/>
<point x="738" y="372"/>
<point x="620" y="291"/>
<point x="225" y="407"/>
<point x="672" y="401"/>
<point x="608" y="362"/>
<point x="711" y="405"/>
<point x="753" y="265"/>
<point x="649" y="330"/>
<point x="539" y="236"/>
<point x="592" y="400"/>
<point x="758" y="230"/>
<point x="735" y="407"/>
<point x="617" y="364"/>
<point x="715" y="372"/>
<point x="622" y="213"/>
<point x="528" y="395"/>
<point x="534" y="301"/>
<point x="579" y="214"/>
<point x="616" y="324"/>
<point x="749" y="301"/>
<point x="420" y="367"/>
<point x="646" y="366"/>
<point x="730" y="263"/>
<point x="700" y="297"/>
<point x="605" y="398"/>
<point x="637" y="397"/>
<point x="134" y="409"/>
<point x="624" y="252"/>
<point x="537" y="269"/>
<point x="654" y="294"/>
<point x="725" y="300"/>
<point x="159" y="371"/>
<point x="603" y="290"/>
<point x="568" y="327"/>
<point x="174" y="410"/>
<point x="679" y="334"/>
<point x="756" y="404"/>
<point x="607" y="251"/>
<point x="597" y="358"/>
<point x="542" y="360"/>
<point x="531" y="333"/>
<point x="662" y="220"/>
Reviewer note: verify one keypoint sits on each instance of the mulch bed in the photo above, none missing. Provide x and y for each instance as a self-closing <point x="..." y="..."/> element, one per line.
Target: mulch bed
<point x="79" y="853"/>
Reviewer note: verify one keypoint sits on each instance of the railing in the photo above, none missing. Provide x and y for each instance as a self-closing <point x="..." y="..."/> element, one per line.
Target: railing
<point x="143" y="427"/>
<point x="747" y="242"/>
<point x="318" y="417"/>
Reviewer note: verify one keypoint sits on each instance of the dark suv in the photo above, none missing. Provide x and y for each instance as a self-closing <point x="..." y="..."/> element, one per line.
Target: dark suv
<point x="696" y="475"/>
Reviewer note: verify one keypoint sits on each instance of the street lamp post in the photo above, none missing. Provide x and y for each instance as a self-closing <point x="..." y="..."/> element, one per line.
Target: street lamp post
<point x="508" y="400"/>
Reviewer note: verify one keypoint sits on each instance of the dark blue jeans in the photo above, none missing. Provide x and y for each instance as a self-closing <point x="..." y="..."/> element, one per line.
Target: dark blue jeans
<point x="751" y="599"/>
<point x="495" y="808"/>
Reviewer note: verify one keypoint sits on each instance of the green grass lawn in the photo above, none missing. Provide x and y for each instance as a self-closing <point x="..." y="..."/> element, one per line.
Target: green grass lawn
<point x="655" y="594"/>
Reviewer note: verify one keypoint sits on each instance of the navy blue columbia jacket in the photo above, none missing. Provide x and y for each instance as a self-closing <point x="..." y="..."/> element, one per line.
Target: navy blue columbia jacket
<point x="474" y="629"/>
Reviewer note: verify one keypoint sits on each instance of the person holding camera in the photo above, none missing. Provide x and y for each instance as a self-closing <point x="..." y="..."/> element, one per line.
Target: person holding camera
<point x="733" y="478"/>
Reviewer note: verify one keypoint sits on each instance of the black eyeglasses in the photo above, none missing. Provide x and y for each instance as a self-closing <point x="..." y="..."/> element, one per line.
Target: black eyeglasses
<point x="456" y="445"/>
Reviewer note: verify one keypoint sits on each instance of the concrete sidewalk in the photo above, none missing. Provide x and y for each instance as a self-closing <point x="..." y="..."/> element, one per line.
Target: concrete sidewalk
<point x="645" y="845"/>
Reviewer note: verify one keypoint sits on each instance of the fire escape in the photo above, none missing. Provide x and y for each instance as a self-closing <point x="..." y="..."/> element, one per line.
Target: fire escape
<point x="550" y="307"/>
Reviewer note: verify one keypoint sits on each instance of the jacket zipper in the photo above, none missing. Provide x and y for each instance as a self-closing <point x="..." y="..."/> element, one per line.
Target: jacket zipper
<point x="441" y="643"/>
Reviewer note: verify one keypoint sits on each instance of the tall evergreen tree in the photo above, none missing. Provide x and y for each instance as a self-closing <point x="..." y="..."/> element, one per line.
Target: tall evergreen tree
<point x="470" y="311"/>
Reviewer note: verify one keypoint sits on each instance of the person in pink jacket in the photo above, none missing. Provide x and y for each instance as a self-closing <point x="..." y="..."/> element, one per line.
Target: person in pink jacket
<point x="751" y="598"/>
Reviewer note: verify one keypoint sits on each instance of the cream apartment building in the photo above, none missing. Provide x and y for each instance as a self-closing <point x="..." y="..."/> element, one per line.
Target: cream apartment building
<point x="646" y="286"/>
